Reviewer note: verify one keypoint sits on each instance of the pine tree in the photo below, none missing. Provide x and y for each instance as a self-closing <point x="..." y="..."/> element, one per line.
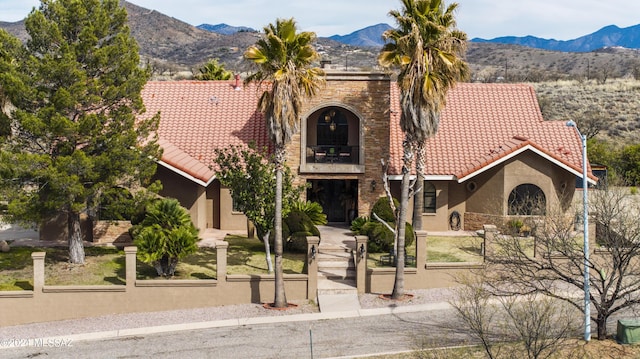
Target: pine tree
<point x="75" y="129"/>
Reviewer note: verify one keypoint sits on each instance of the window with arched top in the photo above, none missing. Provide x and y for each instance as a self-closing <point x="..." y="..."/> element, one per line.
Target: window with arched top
<point x="333" y="128"/>
<point x="527" y="200"/>
<point x="429" y="195"/>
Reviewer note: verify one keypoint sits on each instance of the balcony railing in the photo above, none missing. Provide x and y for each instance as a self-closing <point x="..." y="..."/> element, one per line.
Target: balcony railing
<point x="333" y="154"/>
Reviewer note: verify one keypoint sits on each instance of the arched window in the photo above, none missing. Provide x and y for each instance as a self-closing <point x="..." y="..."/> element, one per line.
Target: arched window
<point x="429" y="195"/>
<point x="333" y="129"/>
<point x="527" y="200"/>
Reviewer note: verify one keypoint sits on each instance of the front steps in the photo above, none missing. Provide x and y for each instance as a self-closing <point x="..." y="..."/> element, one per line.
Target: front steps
<point x="336" y="279"/>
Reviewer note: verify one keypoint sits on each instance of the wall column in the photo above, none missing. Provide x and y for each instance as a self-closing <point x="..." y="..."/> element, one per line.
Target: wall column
<point x="221" y="262"/>
<point x="38" y="272"/>
<point x="130" y="266"/>
<point x="490" y="232"/>
<point x="421" y="250"/>
<point x="312" y="267"/>
<point x="361" y="263"/>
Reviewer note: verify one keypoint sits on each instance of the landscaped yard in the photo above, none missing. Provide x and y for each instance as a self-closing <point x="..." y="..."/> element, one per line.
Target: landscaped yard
<point x="106" y="265"/>
<point x="246" y="256"/>
<point x="442" y="249"/>
<point x="103" y="266"/>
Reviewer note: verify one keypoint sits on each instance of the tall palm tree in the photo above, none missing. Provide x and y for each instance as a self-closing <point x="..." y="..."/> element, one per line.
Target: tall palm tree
<point x="284" y="59"/>
<point x="429" y="51"/>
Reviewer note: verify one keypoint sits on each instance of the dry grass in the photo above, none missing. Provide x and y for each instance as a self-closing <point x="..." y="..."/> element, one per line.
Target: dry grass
<point x="614" y="104"/>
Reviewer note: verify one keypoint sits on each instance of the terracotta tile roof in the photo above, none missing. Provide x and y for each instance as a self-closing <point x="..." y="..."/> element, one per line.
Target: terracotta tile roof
<point x="199" y="116"/>
<point x="482" y="125"/>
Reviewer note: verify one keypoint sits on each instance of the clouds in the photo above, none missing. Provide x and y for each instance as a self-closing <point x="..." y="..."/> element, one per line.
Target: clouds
<point x="559" y="19"/>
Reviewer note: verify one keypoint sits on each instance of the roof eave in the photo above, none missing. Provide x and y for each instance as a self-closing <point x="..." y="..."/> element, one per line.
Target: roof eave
<point x="527" y="147"/>
<point x="187" y="175"/>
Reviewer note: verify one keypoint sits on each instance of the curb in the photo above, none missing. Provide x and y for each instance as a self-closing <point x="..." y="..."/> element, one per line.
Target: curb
<point x="120" y="333"/>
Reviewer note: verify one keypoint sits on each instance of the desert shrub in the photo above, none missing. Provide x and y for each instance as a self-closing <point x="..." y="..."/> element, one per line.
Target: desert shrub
<point x="380" y="237"/>
<point x="409" y="235"/>
<point x="383" y="210"/>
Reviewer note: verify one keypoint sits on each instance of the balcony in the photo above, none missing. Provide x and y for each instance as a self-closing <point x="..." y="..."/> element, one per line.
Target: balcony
<point x="333" y="154"/>
<point x="332" y="159"/>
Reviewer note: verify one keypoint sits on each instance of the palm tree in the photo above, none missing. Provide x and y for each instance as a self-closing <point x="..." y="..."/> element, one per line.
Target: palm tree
<point x="283" y="58"/>
<point x="429" y="50"/>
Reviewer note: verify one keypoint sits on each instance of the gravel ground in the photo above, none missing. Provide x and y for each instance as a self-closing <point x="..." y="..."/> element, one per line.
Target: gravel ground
<point x="140" y="320"/>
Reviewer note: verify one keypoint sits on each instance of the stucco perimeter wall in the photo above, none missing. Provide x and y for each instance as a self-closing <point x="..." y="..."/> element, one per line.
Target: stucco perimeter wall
<point x="51" y="303"/>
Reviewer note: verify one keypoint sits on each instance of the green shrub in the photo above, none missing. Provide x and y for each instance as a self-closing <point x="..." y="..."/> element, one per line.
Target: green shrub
<point x="313" y="210"/>
<point x="358" y="223"/>
<point x="165" y="235"/>
<point x="383" y="210"/>
<point x="295" y="228"/>
<point x="380" y="237"/>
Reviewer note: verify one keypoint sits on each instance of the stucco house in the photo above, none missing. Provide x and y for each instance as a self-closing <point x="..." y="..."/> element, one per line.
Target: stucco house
<point x="493" y="148"/>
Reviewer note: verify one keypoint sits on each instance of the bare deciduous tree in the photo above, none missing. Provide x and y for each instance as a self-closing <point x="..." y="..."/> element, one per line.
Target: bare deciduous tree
<point x="509" y="326"/>
<point x="555" y="267"/>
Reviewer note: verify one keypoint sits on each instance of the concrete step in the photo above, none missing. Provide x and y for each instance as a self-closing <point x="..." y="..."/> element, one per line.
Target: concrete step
<point x="332" y="248"/>
<point x="336" y="285"/>
<point x="336" y="273"/>
<point x="333" y="256"/>
<point x="335" y="264"/>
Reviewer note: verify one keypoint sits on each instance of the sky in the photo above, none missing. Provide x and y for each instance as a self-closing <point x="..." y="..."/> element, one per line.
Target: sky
<point x="549" y="19"/>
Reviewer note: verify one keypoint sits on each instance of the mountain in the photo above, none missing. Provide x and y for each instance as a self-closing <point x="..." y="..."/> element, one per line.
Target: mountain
<point x="368" y="37"/>
<point x="225" y="29"/>
<point x="608" y="36"/>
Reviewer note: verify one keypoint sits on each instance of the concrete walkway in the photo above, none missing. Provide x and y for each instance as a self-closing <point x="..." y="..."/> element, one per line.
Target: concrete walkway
<point x="337" y="290"/>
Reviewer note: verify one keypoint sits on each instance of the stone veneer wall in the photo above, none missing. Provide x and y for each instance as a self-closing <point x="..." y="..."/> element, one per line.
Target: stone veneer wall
<point x="367" y="95"/>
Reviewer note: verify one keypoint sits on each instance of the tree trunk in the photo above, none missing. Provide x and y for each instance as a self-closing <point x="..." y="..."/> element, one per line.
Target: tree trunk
<point x="418" y="196"/>
<point x="76" y="248"/>
<point x="267" y="251"/>
<point x="601" y="323"/>
<point x="280" y="300"/>
<point x="398" y="285"/>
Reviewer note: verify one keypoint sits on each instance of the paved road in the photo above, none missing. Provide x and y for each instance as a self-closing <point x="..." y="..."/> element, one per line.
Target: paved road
<point x="331" y="338"/>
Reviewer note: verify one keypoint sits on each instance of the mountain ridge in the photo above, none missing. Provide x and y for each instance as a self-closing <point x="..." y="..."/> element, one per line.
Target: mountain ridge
<point x="608" y="36"/>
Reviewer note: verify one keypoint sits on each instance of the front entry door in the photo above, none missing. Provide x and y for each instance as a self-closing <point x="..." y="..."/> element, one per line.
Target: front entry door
<point x="337" y="197"/>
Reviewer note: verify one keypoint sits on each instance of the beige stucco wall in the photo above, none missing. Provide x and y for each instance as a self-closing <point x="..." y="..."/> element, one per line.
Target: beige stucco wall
<point x="228" y="218"/>
<point x="191" y="195"/>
